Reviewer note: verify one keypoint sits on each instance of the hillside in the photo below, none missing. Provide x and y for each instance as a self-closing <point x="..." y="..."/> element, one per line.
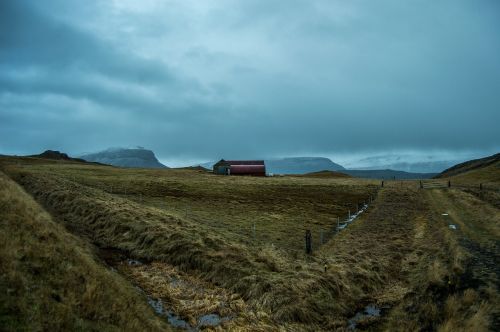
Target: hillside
<point x="227" y="253"/>
<point x="50" y="280"/>
<point x="132" y="158"/>
<point x="471" y="165"/>
<point x="55" y="155"/>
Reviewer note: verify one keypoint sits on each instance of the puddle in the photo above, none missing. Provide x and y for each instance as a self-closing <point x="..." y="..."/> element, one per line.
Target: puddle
<point x="369" y="312"/>
<point x="210" y="320"/>
<point x="452" y="226"/>
<point x="444" y="214"/>
<point x="133" y="262"/>
<point x="172" y="319"/>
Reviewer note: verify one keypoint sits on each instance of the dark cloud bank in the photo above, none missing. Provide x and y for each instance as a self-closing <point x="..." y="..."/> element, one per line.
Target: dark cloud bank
<point x="194" y="81"/>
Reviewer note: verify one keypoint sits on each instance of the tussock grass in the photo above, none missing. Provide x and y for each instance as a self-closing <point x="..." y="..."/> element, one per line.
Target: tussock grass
<point x="266" y="276"/>
<point x="49" y="280"/>
<point x="400" y="254"/>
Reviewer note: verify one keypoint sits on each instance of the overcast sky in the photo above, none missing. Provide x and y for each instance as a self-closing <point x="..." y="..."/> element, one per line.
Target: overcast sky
<point x="200" y="80"/>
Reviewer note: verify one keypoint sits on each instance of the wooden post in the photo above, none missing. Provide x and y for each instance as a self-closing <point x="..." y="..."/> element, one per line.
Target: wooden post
<point x="449" y="184"/>
<point x="308" y="242"/>
<point x="349" y="214"/>
<point x="480" y="186"/>
<point x="421" y="185"/>
<point x="382" y="184"/>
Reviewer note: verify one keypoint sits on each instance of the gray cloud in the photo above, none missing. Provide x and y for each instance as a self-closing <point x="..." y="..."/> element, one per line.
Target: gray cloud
<point x="250" y="79"/>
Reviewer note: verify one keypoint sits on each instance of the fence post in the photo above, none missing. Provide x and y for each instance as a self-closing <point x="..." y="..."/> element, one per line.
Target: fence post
<point x="480" y="186"/>
<point x="308" y="242"/>
<point x="449" y="184"/>
<point x="349" y="215"/>
<point x="421" y="185"/>
<point x="382" y="185"/>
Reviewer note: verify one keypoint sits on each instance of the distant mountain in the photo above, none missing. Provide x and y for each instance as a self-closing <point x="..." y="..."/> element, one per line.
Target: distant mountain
<point x="55" y="155"/>
<point x="301" y="165"/>
<point x="416" y="167"/>
<point x="326" y="175"/>
<point x="469" y="166"/>
<point x="408" y="163"/>
<point x="134" y="158"/>
<point x="388" y="174"/>
<point x="296" y="165"/>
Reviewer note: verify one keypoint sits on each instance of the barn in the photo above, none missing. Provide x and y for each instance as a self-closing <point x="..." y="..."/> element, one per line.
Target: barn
<point x="240" y="167"/>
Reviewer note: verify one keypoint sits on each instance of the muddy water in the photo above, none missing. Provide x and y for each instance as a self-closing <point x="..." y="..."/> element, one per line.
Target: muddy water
<point x="210" y="320"/>
<point x="369" y="312"/>
<point x="172" y="319"/>
<point x="352" y="217"/>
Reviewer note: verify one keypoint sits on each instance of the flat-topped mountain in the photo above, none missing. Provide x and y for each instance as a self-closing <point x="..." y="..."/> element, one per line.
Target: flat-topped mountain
<point x="301" y="165"/>
<point x="135" y="158"/>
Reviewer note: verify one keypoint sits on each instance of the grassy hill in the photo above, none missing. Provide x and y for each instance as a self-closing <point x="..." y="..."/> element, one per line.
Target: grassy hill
<point x="50" y="280"/>
<point x="233" y="247"/>
<point x="484" y="168"/>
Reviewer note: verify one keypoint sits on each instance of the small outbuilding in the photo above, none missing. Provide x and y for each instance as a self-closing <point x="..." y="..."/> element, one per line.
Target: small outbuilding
<point x="240" y="167"/>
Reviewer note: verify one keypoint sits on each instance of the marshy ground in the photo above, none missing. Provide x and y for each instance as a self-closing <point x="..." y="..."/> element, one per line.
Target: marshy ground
<point x="227" y="253"/>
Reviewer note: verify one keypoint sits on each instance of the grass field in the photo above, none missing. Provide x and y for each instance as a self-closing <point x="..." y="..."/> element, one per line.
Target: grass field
<point x="49" y="280"/>
<point x="234" y="246"/>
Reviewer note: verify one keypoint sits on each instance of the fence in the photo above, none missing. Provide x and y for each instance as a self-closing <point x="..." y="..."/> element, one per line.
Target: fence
<point x="433" y="184"/>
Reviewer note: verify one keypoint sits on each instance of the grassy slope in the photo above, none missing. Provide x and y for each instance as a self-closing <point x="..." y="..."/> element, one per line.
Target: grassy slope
<point x="471" y="165"/>
<point x="399" y="253"/>
<point x="50" y="281"/>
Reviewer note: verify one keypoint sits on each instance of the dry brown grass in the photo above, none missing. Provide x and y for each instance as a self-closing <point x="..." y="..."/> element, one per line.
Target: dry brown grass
<point x="49" y="280"/>
<point x="198" y="227"/>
